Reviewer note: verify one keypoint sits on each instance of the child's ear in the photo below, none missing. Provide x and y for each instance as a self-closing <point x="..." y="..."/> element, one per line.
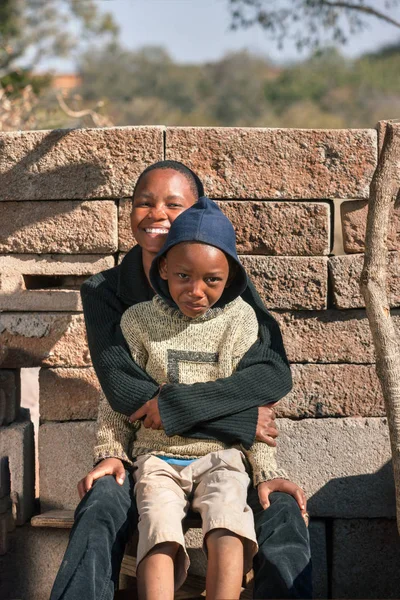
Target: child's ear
<point x="162" y="267"/>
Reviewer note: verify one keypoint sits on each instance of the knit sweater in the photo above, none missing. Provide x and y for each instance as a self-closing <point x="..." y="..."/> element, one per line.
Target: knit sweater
<point x="176" y="349"/>
<point x="226" y="409"/>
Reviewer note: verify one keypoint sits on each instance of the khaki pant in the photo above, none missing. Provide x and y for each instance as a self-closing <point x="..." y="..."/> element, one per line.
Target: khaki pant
<point x="214" y="485"/>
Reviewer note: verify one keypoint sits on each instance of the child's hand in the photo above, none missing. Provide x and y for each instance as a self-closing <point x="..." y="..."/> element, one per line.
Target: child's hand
<point x="109" y="466"/>
<point x="151" y="414"/>
<point x="282" y="485"/>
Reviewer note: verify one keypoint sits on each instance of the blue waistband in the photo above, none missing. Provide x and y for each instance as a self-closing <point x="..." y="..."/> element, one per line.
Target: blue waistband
<point x="176" y="461"/>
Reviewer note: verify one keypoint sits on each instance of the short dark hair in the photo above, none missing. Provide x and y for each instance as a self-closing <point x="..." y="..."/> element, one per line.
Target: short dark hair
<point x="193" y="179"/>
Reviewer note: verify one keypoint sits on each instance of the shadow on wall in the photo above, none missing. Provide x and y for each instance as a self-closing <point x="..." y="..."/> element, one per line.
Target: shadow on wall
<point x="36" y="181"/>
<point x="364" y="496"/>
<point x="363" y="544"/>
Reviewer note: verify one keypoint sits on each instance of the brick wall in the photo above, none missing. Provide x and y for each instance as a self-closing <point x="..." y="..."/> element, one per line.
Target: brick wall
<point x="64" y="201"/>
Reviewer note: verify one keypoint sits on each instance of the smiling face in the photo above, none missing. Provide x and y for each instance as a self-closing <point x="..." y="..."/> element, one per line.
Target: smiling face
<point x="197" y="275"/>
<point x="162" y="194"/>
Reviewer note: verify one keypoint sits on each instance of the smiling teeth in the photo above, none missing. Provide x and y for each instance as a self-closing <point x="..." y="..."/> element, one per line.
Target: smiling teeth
<point x="155" y="230"/>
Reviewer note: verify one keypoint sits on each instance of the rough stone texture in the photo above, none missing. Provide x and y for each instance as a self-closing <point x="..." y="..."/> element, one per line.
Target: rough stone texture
<point x="30" y="567"/>
<point x="68" y="394"/>
<point x="76" y="163"/>
<point x="10" y="396"/>
<point x="329" y="336"/>
<point x="69" y="227"/>
<point x="366" y="555"/>
<point x="345" y="273"/>
<point x="16" y="443"/>
<point x="4" y="477"/>
<point x="277" y="163"/>
<point x="319" y="558"/>
<point x="56" y="264"/>
<point x="333" y="391"/>
<point x="48" y="339"/>
<point x="126" y="241"/>
<point x="273" y="228"/>
<point x="289" y="282"/>
<point x="59" y="276"/>
<point x="42" y="300"/>
<point x="354" y="222"/>
<point x="344" y="465"/>
<point x="70" y="447"/>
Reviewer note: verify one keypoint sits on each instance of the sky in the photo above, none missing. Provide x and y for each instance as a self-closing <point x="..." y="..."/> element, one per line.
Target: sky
<point x="198" y="31"/>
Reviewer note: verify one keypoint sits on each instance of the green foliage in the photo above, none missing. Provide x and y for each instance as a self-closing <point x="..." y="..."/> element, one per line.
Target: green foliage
<point x="241" y="89"/>
<point x="311" y="23"/>
<point x="31" y="30"/>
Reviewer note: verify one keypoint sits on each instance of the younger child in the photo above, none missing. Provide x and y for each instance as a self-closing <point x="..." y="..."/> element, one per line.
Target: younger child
<point x="196" y="329"/>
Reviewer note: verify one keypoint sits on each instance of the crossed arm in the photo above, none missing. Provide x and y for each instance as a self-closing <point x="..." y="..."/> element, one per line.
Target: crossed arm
<point x="262" y="377"/>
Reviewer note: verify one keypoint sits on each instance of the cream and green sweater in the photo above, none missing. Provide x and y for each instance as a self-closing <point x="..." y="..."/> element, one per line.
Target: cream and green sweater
<point x="173" y="348"/>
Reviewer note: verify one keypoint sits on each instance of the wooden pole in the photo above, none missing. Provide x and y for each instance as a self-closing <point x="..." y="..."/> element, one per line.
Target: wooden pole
<point x="383" y="191"/>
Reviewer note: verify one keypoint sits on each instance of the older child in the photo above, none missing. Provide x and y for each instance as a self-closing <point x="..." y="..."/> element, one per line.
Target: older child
<point x="196" y="329"/>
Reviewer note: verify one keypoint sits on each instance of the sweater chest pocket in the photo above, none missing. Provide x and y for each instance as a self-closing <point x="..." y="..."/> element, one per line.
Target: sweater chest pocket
<point x="186" y="366"/>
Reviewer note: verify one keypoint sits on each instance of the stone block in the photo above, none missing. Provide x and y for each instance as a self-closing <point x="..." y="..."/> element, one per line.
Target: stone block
<point x="319" y="558"/>
<point x="31" y="565"/>
<point x="4" y="477"/>
<point x="67" y="227"/>
<point x="344" y="465"/>
<point x="10" y="396"/>
<point x="280" y="228"/>
<point x="366" y="555"/>
<point x="46" y="282"/>
<point x="255" y="163"/>
<point x="272" y="228"/>
<point x="126" y="241"/>
<point x="47" y="339"/>
<point x="333" y="391"/>
<point x="354" y="222"/>
<point x="329" y="336"/>
<point x="17" y="444"/>
<point x="76" y="163"/>
<point x="345" y="273"/>
<point x="65" y="455"/>
<point x="68" y="394"/>
<point x="289" y="282"/>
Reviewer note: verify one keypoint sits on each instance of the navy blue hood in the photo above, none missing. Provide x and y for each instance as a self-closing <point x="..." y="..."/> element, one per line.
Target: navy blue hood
<point x="203" y="222"/>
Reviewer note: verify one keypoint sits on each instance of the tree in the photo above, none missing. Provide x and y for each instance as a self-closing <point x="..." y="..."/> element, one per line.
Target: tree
<point x="310" y="21"/>
<point x="383" y="193"/>
<point x="31" y="30"/>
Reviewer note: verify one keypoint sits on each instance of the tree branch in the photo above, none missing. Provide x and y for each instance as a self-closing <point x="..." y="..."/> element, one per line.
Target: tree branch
<point x="98" y="120"/>
<point x="368" y="10"/>
<point x="384" y="188"/>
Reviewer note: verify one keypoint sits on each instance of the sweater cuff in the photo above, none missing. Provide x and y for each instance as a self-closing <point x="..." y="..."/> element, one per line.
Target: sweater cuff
<point x="103" y="452"/>
<point x="262" y="475"/>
